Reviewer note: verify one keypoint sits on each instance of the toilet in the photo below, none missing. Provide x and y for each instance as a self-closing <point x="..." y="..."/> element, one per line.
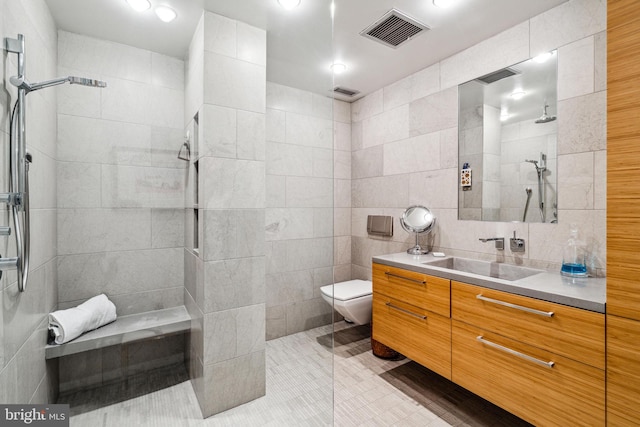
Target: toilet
<point x="352" y="299"/>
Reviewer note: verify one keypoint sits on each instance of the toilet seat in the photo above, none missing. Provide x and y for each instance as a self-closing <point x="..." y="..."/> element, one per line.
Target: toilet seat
<point x="348" y="290"/>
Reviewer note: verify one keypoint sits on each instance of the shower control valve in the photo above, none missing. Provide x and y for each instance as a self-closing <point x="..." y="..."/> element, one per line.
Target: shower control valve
<point x="516" y="244"/>
<point x="13" y="199"/>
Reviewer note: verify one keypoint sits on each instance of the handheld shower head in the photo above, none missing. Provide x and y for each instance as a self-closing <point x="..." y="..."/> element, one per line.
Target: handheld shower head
<point x="22" y="83"/>
<point x="86" y="82"/>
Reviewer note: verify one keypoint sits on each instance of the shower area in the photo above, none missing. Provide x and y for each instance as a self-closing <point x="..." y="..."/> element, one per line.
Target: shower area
<point x="211" y="179"/>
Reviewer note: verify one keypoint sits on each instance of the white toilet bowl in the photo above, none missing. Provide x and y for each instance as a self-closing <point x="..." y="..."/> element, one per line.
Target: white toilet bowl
<point x="352" y="299"/>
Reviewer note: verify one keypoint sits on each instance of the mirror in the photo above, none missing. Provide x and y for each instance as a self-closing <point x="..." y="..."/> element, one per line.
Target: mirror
<point x="417" y="219"/>
<point x="507" y="134"/>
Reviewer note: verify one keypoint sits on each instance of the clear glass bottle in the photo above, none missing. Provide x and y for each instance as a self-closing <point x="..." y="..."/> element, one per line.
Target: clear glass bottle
<point x="574" y="256"/>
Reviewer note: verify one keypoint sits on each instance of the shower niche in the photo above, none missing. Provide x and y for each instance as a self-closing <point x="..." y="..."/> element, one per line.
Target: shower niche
<point x="507" y="138"/>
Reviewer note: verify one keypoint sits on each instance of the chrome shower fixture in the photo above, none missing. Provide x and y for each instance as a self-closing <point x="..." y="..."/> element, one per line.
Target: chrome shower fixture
<point x="20" y="159"/>
<point x="545" y="118"/>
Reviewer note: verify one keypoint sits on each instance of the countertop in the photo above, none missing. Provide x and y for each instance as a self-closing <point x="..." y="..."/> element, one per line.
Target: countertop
<point x="586" y="293"/>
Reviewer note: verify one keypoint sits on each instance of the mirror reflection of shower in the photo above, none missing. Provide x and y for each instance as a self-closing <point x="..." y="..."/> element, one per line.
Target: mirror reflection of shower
<point x="541" y="167"/>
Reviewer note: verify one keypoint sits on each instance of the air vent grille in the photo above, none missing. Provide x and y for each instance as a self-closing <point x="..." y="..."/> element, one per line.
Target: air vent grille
<point x="394" y="29"/>
<point x="345" y="91"/>
<point x="497" y="75"/>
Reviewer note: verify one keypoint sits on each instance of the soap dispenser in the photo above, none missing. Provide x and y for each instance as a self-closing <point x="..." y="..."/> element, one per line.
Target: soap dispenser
<point x="574" y="256"/>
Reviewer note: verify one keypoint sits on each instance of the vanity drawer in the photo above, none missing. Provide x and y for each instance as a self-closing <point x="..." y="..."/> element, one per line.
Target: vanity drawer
<point x="570" y="332"/>
<point x="417" y="333"/>
<point x="422" y="290"/>
<point x="569" y="393"/>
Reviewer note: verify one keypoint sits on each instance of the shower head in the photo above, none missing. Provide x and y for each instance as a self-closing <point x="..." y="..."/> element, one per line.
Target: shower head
<point x="535" y="162"/>
<point x="23" y="83"/>
<point x="528" y="191"/>
<point x="544" y="118"/>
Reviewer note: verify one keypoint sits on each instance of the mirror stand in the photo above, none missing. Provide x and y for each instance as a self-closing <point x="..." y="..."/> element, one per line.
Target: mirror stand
<point x="417" y="249"/>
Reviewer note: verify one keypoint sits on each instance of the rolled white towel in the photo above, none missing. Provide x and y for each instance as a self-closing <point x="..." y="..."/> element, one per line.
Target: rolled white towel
<point x="73" y="322"/>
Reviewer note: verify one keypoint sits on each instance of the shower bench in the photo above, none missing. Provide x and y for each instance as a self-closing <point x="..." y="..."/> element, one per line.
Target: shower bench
<point x="126" y="329"/>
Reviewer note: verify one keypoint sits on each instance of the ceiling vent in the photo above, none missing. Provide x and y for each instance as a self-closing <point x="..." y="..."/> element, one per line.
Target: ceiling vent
<point x="393" y="29"/>
<point x="497" y="75"/>
<point x="345" y="91"/>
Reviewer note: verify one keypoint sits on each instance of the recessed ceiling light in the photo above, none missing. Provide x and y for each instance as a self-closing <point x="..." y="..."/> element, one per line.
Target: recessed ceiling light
<point x="338" y="68"/>
<point x="139" y="5"/>
<point x="442" y="3"/>
<point x="289" y="4"/>
<point x="165" y="13"/>
<point x="543" y="57"/>
<point x="518" y="94"/>
<point x="504" y="116"/>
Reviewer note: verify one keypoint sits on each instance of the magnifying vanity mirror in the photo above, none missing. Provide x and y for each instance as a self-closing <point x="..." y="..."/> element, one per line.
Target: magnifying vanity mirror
<point x="507" y="143"/>
<point x="417" y="219"/>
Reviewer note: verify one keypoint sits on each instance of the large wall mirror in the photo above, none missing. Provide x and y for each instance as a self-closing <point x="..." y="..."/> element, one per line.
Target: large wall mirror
<point x="507" y="143"/>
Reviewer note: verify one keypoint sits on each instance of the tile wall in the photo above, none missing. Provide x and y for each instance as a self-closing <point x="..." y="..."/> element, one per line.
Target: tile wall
<point x="405" y="144"/>
<point x="225" y="270"/>
<point x="308" y="171"/>
<point x="120" y="187"/>
<point x="24" y="375"/>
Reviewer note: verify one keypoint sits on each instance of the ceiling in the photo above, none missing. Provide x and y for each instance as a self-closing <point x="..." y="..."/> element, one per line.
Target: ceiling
<point x="300" y="43"/>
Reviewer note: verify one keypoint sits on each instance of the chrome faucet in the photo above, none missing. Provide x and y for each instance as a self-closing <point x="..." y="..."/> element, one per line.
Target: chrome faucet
<point x="499" y="242"/>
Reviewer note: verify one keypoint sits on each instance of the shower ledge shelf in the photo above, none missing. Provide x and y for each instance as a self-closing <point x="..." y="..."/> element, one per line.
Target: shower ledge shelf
<point x="125" y="329"/>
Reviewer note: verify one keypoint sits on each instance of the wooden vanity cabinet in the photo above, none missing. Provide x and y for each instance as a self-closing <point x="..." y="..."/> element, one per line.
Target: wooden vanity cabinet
<point x="411" y="314"/>
<point x="541" y="361"/>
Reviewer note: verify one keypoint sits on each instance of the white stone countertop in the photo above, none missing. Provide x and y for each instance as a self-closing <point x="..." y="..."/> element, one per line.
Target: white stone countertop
<point x="586" y="293"/>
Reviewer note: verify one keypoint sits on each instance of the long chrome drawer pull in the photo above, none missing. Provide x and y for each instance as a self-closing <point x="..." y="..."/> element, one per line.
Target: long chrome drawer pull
<point x="515" y="353"/>
<point x="411" y="313"/>
<point x="422" y="282"/>
<point x="517" y="307"/>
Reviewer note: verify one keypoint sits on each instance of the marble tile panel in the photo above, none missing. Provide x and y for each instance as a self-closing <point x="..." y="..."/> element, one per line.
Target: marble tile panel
<point x="323" y="222"/>
<point x="101" y="141"/>
<point x="100" y="57"/>
<point x="43" y="247"/>
<point x="275" y="125"/>
<point x="566" y="23"/>
<point x="79" y="185"/>
<point x="434" y="189"/>
<point x="80" y="370"/>
<point x="449" y="148"/>
<point x="356" y="136"/>
<point x="225" y="390"/>
<point x="297" y="255"/>
<point x="342" y="136"/>
<point x="341" y="111"/>
<point x="304" y="192"/>
<point x="233" y="233"/>
<point x="140" y="302"/>
<point x="167" y="228"/>
<point x="582" y="124"/>
<point x="600" y="59"/>
<point x="95" y="230"/>
<point x="309" y="131"/>
<point x="415" y="154"/>
<point x="251" y="135"/>
<point x="425" y="82"/>
<point x="342" y="164"/>
<point x="234" y="283"/>
<point x="251" y="44"/>
<point x="576" y="181"/>
<point x="308" y="314"/>
<point x="289" y="99"/>
<point x="275" y="189"/>
<point x="392" y="125"/>
<point x="388" y="191"/>
<point x="342" y="221"/>
<point x="367" y="163"/>
<point x="289" y="223"/>
<point x="276" y="322"/>
<point x="165" y="143"/>
<point x="288" y="159"/>
<point x="127" y="101"/>
<point x="41" y="125"/>
<point x="142" y="187"/>
<point x="342" y="250"/>
<point x="323" y="160"/>
<point x="600" y="180"/>
<point x="397" y="94"/>
<point x="341" y="193"/>
<point x="434" y="112"/>
<point x="250" y="324"/>
<point x="502" y="50"/>
<point x="76" y="100"/>
<point x="220" y="336"/>
<point x="367" y="106"/>
<point x="42" y="182"/>
<point x="233" y="83"/>
<point x="219" y="130"/>
<point x="167" y="107"/>
<point x="322" y="106"/>
<point x="220" y="34"/>
<point x="167" y="71"/>
<point x="576" y="69"/>
<point x="228" y="183"/>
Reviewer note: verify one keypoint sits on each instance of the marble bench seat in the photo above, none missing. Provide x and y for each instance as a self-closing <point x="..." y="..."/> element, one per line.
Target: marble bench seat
<point x="133" y="327"/>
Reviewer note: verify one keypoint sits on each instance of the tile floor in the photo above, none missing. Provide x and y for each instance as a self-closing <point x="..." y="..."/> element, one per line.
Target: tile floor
<point x="368" y="392"/>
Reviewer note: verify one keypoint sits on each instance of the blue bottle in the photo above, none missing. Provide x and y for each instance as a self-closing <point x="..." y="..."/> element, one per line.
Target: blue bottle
<point x="574" y="256"/>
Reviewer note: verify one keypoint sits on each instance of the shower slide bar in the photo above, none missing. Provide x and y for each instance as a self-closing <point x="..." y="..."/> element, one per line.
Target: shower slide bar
<point x="20" y="159"/>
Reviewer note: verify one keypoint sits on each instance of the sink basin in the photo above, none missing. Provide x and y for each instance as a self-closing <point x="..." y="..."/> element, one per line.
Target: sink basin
<point x="496" y="270"/>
